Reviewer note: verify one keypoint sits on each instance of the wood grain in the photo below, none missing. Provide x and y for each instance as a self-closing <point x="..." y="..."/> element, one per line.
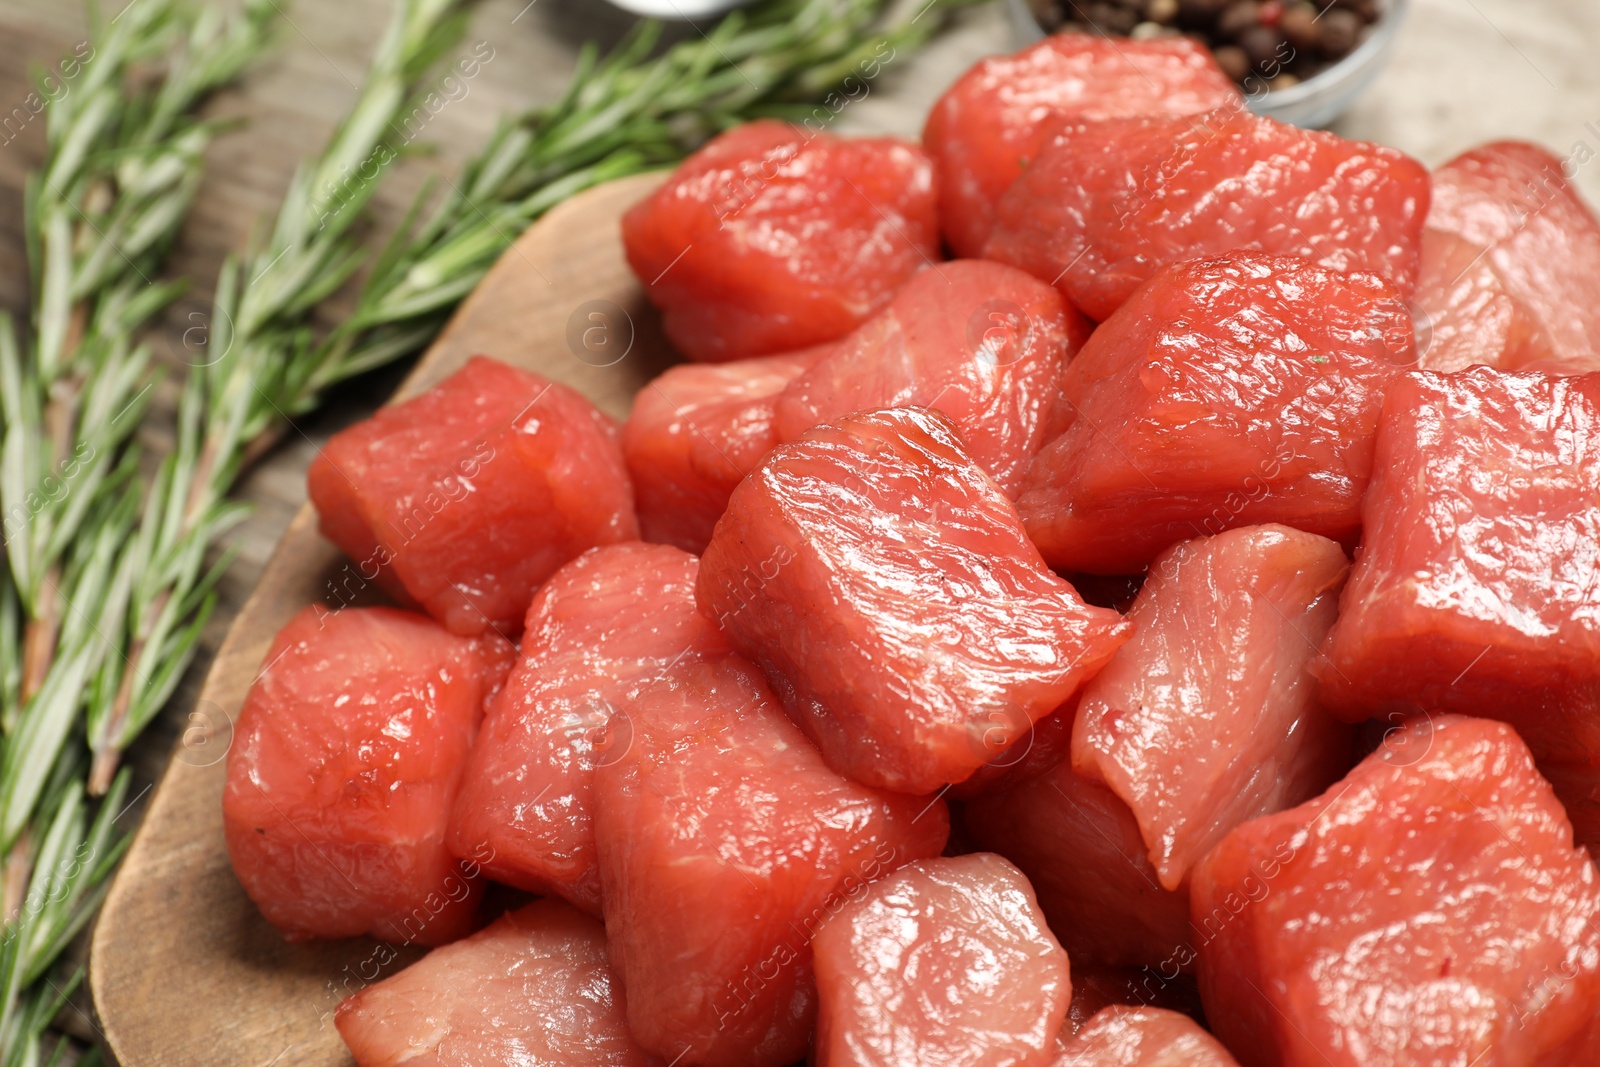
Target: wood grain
<point x="184" y="971"/>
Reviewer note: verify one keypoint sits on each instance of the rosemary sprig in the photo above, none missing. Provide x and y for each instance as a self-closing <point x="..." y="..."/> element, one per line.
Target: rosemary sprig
<point x="75" y="856"/>
<point x="123" y="164"/>
<point x="124" y="158"/>
<point x="263" y="304"/>
<point x="634" y="110"/>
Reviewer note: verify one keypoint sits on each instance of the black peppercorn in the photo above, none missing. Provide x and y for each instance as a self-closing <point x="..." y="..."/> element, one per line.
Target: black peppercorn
<point x="1238" y="17"/>
<point x="1341" y="32"/>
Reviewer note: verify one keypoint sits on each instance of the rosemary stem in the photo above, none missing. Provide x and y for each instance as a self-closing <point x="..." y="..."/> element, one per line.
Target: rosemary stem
<point x="18" y="867"/>
<point x="261" y="444"/>
<point x="40" y="635"/>
<point x="106" y="762"/>
<point x="60" y="422"/>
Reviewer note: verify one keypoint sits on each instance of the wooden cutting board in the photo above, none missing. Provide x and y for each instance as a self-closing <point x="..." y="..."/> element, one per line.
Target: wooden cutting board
<point x="184" y="971"/>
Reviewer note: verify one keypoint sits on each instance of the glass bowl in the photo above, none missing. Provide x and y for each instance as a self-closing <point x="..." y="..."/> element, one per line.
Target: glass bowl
<point x="1315" y="102"/>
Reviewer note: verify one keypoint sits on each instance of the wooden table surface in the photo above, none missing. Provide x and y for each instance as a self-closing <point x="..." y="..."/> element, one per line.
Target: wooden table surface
<point x="1464" y="71"/>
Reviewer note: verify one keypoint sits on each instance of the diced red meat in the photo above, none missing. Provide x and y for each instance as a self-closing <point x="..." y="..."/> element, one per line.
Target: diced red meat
<point x="981" y="342"/>
<point x="725" y="842"/>
<point x="1227" y="392"/>
<point x="345" y="761"/>
<point x="1080" y="847"/>
<point x="465" y="498"/>
<point x="991" y="123"/>
<point x="532" y="988"/>
<point x="604" y="629"/>
<point x="1477" y="589"/>
<point x="1142" y="1037"/>
<point x="695" y="432"/>
<point x="947" y="961"/>
<point x="1428" y="909"/>
<point x="886" y="586"/>
<point x="1208" y="717"/>
<point x="1107" y="205"/>
<point x="1510" y="265"/>
<point x="773" y="238"/>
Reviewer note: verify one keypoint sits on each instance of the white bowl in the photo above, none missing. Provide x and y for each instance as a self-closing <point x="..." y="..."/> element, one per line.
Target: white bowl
<point x="1315" y="102"/>
<point x="679" y="9"/>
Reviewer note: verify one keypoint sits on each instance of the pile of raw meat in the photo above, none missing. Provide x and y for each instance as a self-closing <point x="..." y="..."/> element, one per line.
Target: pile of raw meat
<point x="1196" y="579"/>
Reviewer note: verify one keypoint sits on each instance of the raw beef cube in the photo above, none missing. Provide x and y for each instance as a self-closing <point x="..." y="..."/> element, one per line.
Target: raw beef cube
<point x="981" y="342"/>
<point x="885" y="584"/>
<point x="695" y="432"/>
<point x="1142" y="1037"/>
<point x="947" y="962"/>
<point x="1478" y="585"/>
<point x="465" y="498"/>
<point x="533" y="989"/>
<point x="1510" y="266"/>
<point x="603" y="630"/>
<point x="993" y="121"/>
<point x="1208" y="717"/>
<point x="1107" y="205"/>
<point x="1428" y="909"/>
<point x="345" y="761"/>
<point x="1230" y="391"/>
<point x="1080" y="847"/>
<point x="772" y="238"/>
<point x="725" y="843"/>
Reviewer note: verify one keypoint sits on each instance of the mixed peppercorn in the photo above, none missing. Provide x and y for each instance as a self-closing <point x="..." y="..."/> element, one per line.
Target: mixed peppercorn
<point x="1260" y="43"/>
